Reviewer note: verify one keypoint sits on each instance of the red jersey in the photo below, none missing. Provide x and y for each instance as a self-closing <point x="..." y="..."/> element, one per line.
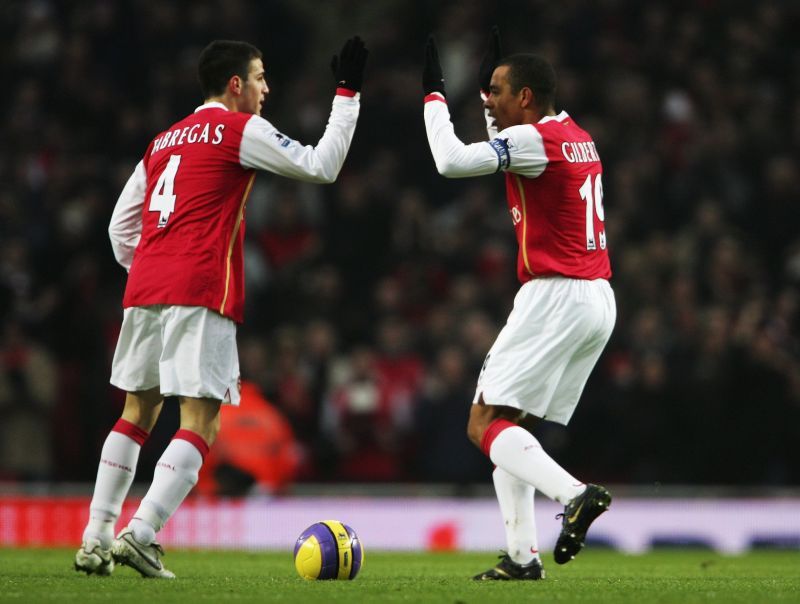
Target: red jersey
<point x="178" y="225"/>
<point x="558" y="215"/>
<point x="554" y="187"/>
<point x="190" y="252"/>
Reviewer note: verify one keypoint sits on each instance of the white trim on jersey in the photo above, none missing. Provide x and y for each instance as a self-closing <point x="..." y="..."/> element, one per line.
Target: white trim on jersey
<point x="517" y="149"/>
<point x="125" y="228"/>
<point x="554" y="118"/>
<point x="211" y="105"/>
<point x="263" y="147"/>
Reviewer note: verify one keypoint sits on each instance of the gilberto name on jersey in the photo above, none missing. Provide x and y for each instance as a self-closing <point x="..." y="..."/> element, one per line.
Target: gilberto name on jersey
<point x="581" y="152"/>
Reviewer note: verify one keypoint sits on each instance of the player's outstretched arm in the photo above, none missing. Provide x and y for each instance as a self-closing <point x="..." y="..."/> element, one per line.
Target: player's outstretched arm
<point x="265" y="148"/>
<point x="453" y="158"/>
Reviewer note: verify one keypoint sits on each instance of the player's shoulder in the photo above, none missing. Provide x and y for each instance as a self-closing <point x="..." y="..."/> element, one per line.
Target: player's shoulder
<point x="521" y="134"/>
<point x="550" y="126"/>
<point x="260" y="130"/>
<point x="561" y="127"/>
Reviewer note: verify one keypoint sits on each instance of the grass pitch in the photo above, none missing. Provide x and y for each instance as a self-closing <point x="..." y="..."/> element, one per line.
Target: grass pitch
<point x="46" y="575"/>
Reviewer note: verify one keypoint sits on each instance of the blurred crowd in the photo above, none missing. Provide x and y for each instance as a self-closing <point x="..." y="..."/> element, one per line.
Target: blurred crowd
<point x="372" y="302"/>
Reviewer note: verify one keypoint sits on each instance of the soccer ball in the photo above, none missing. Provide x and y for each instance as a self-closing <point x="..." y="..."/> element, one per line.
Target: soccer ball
<point x="328" y="550"/>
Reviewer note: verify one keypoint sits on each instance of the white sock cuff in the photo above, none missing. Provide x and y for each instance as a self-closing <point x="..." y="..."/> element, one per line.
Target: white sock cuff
<point x="181" y="455"/>
<point x="121" y="450"/>
<point x="519" y="453"/>
<point x="510" y="436"/>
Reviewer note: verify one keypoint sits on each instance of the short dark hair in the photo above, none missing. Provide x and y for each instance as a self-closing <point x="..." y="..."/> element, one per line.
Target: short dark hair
<point x="534" y="72"/>
<point x="220" y="61"/>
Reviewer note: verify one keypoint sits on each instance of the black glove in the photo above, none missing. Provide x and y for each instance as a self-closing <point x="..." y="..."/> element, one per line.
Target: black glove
<point x="490" y="59"/>
<point x="432" y="78"/>
<point x="348" y="65"/>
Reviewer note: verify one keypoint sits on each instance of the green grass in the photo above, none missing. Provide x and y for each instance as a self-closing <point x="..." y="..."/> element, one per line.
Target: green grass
<point x="42" y="575"/>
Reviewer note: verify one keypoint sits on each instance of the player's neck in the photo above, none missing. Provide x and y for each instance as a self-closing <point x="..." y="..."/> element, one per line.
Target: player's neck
<point x="224" y="99"/>
<point x="534" y="117"/>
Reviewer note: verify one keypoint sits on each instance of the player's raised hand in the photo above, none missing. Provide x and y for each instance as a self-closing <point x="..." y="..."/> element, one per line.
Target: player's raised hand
<point x="490" y="59"/>
<point x="432" y="77"/>
<point x="348" y="65"/>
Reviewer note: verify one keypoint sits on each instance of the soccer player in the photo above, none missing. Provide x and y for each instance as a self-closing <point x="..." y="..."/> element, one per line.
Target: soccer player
<point x="564" y="311"/>
<point x="178" y="227"/>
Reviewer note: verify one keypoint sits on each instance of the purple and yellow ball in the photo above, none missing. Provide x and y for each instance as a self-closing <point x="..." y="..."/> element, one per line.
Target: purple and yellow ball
<point x="328" y="550"/>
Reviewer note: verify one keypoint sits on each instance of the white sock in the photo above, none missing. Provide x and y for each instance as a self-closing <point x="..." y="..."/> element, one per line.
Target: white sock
<point x="114" y="477"/>
<point x="516" y="506"/>
<point x="175" y="475"/>
<point x="519" y="453"/>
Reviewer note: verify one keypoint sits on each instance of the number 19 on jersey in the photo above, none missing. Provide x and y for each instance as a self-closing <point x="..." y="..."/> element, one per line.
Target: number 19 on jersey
<point x="593" y="196"/>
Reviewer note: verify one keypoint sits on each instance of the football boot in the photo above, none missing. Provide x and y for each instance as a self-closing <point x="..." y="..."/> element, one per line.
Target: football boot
<point x="577" y="517"/>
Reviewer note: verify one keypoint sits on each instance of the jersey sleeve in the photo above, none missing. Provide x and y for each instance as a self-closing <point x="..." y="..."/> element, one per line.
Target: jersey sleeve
<point x="125" y="229"/>
<point x="263" y="147"/>
<point x="525" y="148"/>
<point x="453" y="158"/>
<point x="518" y="149"/>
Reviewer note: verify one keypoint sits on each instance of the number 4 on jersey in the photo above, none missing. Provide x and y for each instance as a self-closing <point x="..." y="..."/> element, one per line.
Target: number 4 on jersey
<point x="593" y="196"/>
<point x="163" y="199"/>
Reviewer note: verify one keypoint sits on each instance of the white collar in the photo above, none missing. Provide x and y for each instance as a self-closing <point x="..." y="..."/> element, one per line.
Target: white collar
<point x="559" y="118"/>
<point x="211" y="105"/>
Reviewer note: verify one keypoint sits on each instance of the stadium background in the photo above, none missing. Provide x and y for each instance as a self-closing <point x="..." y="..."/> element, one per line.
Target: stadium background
<point x="372" y="302"/>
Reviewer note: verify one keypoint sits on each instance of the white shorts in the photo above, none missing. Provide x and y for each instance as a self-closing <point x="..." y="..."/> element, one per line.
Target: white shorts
<point x="186" y="350"/>
<point x="542" y="358"/>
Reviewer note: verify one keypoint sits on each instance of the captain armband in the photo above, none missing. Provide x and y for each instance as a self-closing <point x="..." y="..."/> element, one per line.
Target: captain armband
<point x="500" y="146"/>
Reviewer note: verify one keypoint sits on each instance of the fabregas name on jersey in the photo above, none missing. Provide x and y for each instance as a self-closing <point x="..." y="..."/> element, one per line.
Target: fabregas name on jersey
<point x="188" y="134"/>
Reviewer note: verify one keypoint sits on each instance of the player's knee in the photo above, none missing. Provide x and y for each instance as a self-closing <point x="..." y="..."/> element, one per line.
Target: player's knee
<point x="205" y="429"/>
<point x="142" y="411"/>
<point x="202" y="417"/>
